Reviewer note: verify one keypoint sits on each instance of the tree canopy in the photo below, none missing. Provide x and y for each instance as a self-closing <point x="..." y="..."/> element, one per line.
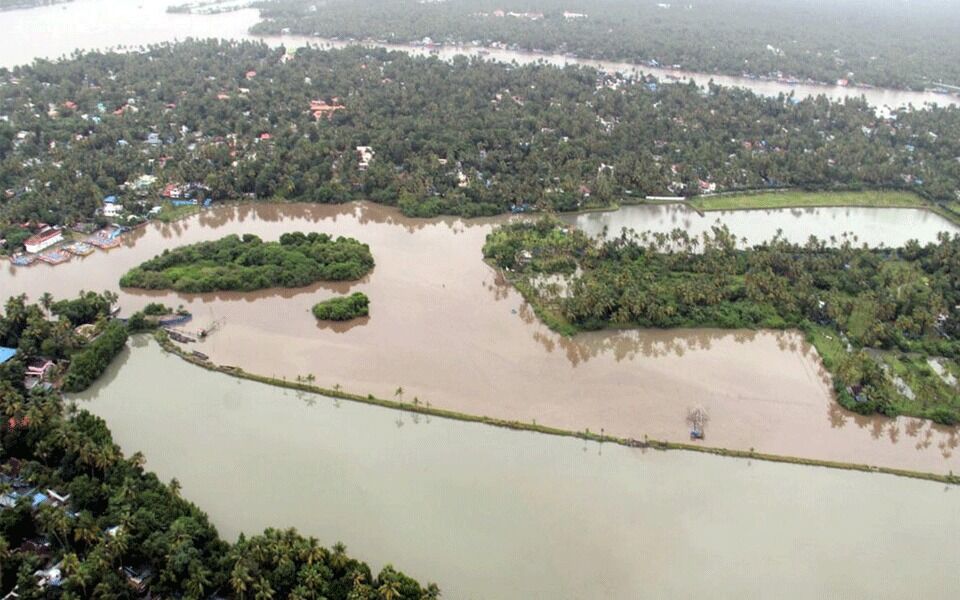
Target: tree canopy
<point x="248" y="263"/>
<point x="880" y="42"/>
<point x="467" y="137"/>
<point x="343" y="308"/>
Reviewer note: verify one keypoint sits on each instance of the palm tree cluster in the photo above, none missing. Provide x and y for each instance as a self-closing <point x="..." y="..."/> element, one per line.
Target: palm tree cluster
<point x="228" y="121"/>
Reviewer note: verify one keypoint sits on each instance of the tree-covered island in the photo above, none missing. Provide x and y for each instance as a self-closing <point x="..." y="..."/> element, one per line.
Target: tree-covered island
<point x="886" y="322"/>
<point x="247" y="263"/>
<point x="343" y="308"/>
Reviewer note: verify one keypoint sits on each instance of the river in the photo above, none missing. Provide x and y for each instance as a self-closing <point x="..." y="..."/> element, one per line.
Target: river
<point x="496" y="514"/>
<point x="101" y="24"/>
<point x="446" y="328"/>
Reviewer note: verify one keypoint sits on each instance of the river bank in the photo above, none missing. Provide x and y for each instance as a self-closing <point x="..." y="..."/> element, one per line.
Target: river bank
<point x="415" y="407"/>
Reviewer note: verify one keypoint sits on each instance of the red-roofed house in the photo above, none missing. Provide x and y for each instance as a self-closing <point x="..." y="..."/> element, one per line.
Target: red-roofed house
<point x="251" y="74"/>
<point x="43" y="240"/>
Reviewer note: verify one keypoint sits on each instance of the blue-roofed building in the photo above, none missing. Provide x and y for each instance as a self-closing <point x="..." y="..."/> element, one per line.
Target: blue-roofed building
<point x="110" y="200"/>
<point x="38" y="499"/>
<point x="6" y="354"/>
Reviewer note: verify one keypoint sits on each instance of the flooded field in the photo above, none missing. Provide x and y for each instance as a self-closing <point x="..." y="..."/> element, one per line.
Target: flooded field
<point x="446" y="329"/>
<point x="890" y="227"/>
<point x="493" y="514"/>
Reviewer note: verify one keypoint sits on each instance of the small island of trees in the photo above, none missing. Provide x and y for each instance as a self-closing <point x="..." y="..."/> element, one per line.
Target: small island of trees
<point x="248" y="263"/>
<point x="343" y="308"/>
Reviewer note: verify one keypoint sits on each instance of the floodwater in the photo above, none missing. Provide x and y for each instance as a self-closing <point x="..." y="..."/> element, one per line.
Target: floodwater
<point x="448" y="330"/>
<point x="102" y="24"/>
<point x="890" y="227"/>
<point x="495" y="514"/>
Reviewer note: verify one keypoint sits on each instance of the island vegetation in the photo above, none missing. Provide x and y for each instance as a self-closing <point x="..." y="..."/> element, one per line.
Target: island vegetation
<point x="234" y="121"/>
<point x="885" y="321"/>
<point x="248" y="263"/>
<point x="343" y="308"/>
<point x="78" y="519"/>
<point x="879" y="42"/>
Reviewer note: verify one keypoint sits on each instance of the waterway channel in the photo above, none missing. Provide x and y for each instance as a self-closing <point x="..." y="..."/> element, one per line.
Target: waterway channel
<point x="496" y="514"/>
<point x="447" y="329"/>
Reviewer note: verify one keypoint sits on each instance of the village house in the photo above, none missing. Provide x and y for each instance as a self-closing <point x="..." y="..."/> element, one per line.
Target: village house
<point x="322" y="109"/>
<point x="43" y="240"/>
<point x="364" y="156"/>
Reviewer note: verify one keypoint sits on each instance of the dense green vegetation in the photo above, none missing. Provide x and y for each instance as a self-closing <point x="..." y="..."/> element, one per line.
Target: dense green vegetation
<point x="88" y="364"/>
<point x="878" y="316"/>
<point x="343" y="308"/>
<point x="248" y="263"/>
<point x="118" y="521"/>
<point x="86" y="308"/>
<point x="879" y="42"/>
<point x="467" y="138"/>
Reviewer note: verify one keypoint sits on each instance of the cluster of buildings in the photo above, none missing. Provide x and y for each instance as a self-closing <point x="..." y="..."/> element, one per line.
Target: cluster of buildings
<point x="20" y="491"/>
<point x="321" y="109"/>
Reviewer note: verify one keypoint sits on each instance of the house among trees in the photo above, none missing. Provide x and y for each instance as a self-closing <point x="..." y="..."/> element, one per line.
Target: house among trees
<point x="321" y="109"/>
<point x="364" y="156"/>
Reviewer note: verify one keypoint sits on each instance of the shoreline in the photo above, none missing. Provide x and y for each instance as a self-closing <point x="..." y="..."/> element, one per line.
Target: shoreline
<point x="663" y="73"/>
<point x="168" y="346"/>
<point x="697" y="204"/>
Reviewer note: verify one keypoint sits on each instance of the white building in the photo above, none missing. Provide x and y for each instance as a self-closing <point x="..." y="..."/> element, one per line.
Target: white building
<point x="364" y="156"/>
<point x="43" y="240"/>
<point x="112" y="210"/>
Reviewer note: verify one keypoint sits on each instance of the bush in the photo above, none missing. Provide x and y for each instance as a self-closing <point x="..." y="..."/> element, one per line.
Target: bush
<point x="343" y="308"/>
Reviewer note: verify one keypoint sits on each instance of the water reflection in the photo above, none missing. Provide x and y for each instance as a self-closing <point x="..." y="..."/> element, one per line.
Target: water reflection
<point x="875" y="227"/>
<point x="343" y="326"/>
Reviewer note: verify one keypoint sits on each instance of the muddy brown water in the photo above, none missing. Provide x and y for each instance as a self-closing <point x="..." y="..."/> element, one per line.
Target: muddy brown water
<point x="493" y="514"/>
<point x="446" y="328"/>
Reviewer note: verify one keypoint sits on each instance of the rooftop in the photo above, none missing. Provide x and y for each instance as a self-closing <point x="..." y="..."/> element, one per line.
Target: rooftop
<point x="6" y="354"/>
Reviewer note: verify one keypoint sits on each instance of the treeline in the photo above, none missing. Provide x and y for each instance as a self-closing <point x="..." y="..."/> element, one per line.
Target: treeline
<point x="880" y="42"/>
<point x="343" y="308"/>
<point x="15" y="4"/>
<point x="95" y="524"/>
<point x="467" y="138"/>
<point x="88" y="364"/>
<point x="248" y="263"/>
<point x="893" y="311"/>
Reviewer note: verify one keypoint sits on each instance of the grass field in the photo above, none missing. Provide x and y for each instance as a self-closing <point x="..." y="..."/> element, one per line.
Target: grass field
<point x="798" y="199"/>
